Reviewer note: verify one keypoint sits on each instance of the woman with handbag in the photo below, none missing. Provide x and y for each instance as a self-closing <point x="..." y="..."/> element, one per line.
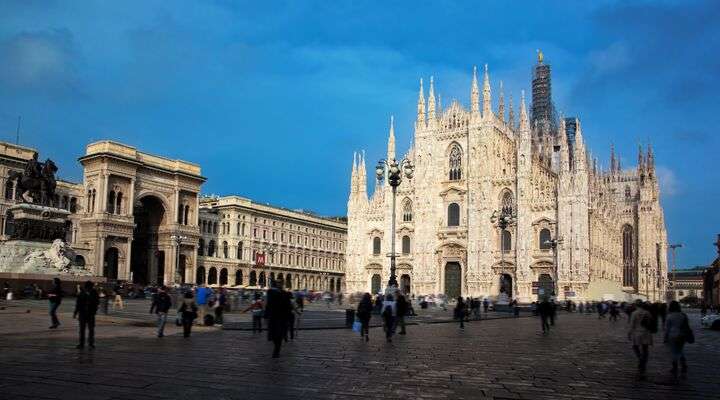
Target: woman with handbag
<point x="364" y="311"/>
<point x="677" y="333"/>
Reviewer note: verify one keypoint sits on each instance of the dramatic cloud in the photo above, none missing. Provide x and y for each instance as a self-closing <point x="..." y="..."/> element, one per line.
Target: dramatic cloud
<point x="669" y="185"/>
<point x="39" y="61"/>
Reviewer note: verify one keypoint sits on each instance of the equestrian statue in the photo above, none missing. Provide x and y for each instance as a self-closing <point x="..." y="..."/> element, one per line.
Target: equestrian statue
<point x="36" y="184"/>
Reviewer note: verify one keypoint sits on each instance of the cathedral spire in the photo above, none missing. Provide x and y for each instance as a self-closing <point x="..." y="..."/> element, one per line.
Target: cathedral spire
<point x="613" y="160"/>
<point x="362" y="177"/>
<point x="650" y="161"/>
<point x="641" y="160"/>
<point x="564" y="148"/>
<point x="475" y="95"/>
<point x="501" y="103"/>
<point x="391" y="140"/>
<point x="579" y="151"/>
<point x="524" y="122"/>
<point x="420" y="122"/>
<point x="511" y="113"/>
<point x="487" y="109"/>
<point x="353" y="175"/>
<point x="431" y="104"/>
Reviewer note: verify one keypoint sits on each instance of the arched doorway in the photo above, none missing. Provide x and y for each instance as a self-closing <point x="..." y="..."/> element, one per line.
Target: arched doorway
<point x="453" y="280"/>
<point x="261" y="279"/>
<point x="506" y="286"/>
<point x="147" y="262"/>
<point x="182" y="264"/>
<point x="331" y="285"/>
<point x="223" y="277"/>
<point x="338" y="284"/>
<point x="79" y="261"/>
<point x="288" y="281"/>
<point x="281" y="280"/>
<point x="212" y="276"/>
<point x="238" y="278"/>
<point x="253" y="279"/>
<point x="546" y="286"/>
<point x="200" y="276"/>
<point x="405" y="283"/>
<point x="110" y="266"/>
<point x="375" y="284"/>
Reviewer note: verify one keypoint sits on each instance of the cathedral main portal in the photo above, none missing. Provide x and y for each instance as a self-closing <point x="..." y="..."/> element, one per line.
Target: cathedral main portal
<point x="453" y="280"/>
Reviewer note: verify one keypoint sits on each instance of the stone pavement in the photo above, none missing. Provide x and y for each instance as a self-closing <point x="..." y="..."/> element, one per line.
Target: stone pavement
<point x="583" y="358"/>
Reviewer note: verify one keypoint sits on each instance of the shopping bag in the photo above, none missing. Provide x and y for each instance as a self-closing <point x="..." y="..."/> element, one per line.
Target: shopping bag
<point x="357" y="326"/>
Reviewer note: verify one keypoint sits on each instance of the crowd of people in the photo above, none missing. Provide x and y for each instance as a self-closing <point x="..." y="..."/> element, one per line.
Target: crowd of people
<point x="391" y="307"/>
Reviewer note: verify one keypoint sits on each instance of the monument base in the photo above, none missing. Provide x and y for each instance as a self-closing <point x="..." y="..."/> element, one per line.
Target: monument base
<point x="31" y="257"/>
<point x="38" y="223"/>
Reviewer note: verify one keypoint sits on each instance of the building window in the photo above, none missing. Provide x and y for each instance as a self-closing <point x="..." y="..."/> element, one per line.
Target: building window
<point x="118" y="203"/>
<point x="628" y="256"/>
<point x="211" y="249"/>
<point x="407" y="211"/>
<point x="10" y="188"/>
<point x="201" y="247"/>
<point x="376" y="246"/>
<point x="455" y="163"/>
<point x="406" y="244"/>
<point x="508" y="203"/>
<point x="111" y="202"/>
<point x="544" y="239"/>
<point x="506" y="241"/>
<point x="240" y="251"/>
<point x="453" y="214"/>
<point x="225" y="249"/>
<point x="627" y="192"/>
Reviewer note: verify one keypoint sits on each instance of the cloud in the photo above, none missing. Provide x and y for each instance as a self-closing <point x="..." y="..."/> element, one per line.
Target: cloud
<point x="39" y="61"/>
<point x="669" y="185"/>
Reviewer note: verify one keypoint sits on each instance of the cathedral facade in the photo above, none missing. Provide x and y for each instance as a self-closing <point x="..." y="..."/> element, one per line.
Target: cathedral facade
<point x="576" y="231"/>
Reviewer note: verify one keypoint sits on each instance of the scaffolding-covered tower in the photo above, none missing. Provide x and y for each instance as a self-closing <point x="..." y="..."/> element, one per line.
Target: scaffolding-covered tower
<point x="543" y="116"/>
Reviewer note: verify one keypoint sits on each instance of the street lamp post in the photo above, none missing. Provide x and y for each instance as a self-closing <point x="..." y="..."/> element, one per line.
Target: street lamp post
<point x="672" y="251"/>
<point x="270" y="248"/>
<point x="395" y="173"/>
<point x="177" y="240"/>
<point x="502" y="219"/>
<point x="554" y="244"/>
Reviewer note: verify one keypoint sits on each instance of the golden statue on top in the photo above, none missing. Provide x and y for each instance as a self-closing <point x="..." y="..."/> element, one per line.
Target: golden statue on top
<point x="540" y="56"/>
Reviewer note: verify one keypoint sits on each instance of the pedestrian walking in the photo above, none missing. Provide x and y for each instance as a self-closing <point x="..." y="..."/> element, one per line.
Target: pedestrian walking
<point x="641" y="335"/>
<point x="614" y="312"/>
<point x="486" y="304"/>
<point x="188" y="312"/>
<point x="118" y="301"/>
<point x="276" y="312"/>
<point x="202" y="297"/>
<point x="256" y="308"/>
<point x="460" y="311"/>
<point x="55" y="296"/>
<point x="402" y="310"/>
<point x="364" y="312"/>
<point x="86" y="307"/>
<point x="516" y="308"/>
<point x="544" y="310"/>
<point x="389" y="314"/>
<point x="294" y="312"/>
<point x="300" y="301"/>
<point x="104" y="300"/>
<point x="220" y="305"/>
<point x="677" y="333"/>
<point x="161" y="305"/>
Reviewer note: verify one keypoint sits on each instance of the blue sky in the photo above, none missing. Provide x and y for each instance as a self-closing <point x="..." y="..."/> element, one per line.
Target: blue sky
<point x="272" y="98"/>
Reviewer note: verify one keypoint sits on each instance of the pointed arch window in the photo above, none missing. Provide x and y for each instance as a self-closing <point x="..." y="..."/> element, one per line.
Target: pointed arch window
<point x="111" y="202"/>
<point x="201" y="247"/>
<point x="507" y="204"/>
<point x="544" y="239"/>
<point x="628" y="249"/>
<point x="225" y="249"/>
<point x="453" y="214"/>
<point x="406" y="244"/>
<point x="376" y="246"/>
<point x="455" y="163"/>
<point x="407" y="211"/>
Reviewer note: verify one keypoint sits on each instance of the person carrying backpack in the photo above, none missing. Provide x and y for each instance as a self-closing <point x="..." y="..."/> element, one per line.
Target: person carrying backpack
<point x="641" y="334"/>
<point x="256" y="308"/>
<point x="677" y="333"/>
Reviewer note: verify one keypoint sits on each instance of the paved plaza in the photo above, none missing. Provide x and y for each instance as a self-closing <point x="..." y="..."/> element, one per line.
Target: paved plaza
<point x="583" y="358"/>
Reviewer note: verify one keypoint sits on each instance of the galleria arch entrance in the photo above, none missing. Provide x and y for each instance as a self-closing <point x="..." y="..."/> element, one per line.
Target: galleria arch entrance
<point x="453" y="280"/>
<point x="147" y="261"/>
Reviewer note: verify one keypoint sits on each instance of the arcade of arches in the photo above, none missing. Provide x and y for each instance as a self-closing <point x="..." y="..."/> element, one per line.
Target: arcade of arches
<point x="253" y="277"/>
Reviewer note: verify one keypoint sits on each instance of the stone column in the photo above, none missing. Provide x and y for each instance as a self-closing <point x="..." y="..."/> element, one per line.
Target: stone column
<point x="128" y="261"/>
<point x="103" y="193"/>
<point x="100" y="256"/>
<point x="131" y="199"/>
<point x="169" y="273"/>
<point x="178" y="214"/>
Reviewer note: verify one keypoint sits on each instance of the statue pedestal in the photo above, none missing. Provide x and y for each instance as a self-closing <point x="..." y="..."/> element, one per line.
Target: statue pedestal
<point x="38" y="223"/>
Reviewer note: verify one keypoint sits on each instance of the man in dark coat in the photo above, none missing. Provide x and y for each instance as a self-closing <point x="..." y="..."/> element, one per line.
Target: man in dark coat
<point x="402" y="309"/>
<point x="55" y="295"/>
<point x="545" y="311"/>
<point x="161" y="304"/>
<point x="86" y="307"/>
<point x="277" y="311"/>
